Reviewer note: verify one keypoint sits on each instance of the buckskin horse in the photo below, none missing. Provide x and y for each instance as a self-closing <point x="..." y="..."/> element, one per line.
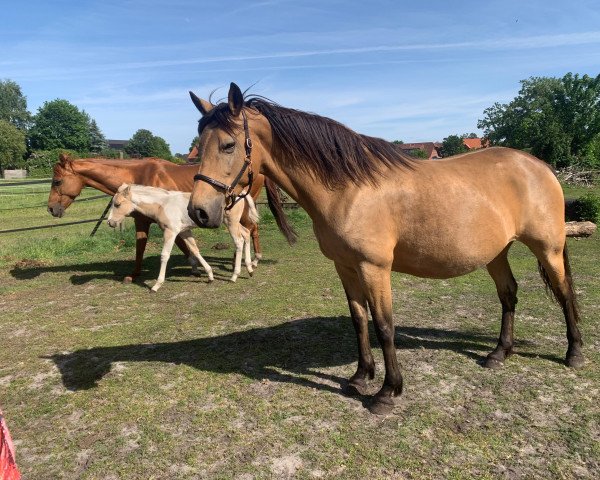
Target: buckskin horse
<point x="107" y="175"/>
<point x="375" y="210"/>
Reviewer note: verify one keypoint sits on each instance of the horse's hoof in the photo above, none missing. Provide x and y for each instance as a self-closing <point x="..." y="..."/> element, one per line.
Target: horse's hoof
<point x="575" y="361"/>
<point x="356" y="388"/>
<point x="493" y="363"/>
<point x="233" y="279"/>
<point x="381" y="406"/>
<point x="211" y="279"/>
<point x="250" y="272"/>
<point x="128" y="279"/>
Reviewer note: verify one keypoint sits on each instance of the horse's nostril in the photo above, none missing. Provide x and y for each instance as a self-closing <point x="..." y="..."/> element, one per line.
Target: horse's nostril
<point x="201" y="215"/>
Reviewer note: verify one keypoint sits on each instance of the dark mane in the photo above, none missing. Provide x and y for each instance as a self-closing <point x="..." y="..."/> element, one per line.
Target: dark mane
<point x="318" y="145"/>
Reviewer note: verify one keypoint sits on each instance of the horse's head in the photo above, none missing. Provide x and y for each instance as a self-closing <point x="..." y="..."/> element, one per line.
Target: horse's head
<point x="226" y="134"/>
<point x="122" y="206"/>
<point x="66" y="186"/>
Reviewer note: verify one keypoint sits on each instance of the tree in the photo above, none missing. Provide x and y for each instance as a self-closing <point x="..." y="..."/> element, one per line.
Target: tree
<point x="13" y="105"/>
<point x="145" y="144"/>
<point x="194" y="143"/>
<point x="60" y="124"/>
<point x="418" y="153"/>
<point x="98" y="142"/>
<point x="452" y="145"/>
<point x="12" y="146"/>
<point x="557" y="119"/>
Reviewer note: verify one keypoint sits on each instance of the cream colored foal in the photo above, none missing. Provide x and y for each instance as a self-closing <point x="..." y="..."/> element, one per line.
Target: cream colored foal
<point x="169" y="210"/>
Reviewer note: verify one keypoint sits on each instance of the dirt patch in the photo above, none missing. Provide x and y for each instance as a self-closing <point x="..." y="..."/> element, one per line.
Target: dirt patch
<point x="286" y="466"/>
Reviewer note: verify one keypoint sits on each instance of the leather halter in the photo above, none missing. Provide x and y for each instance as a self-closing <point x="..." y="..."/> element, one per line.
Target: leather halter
<point x="230" y="196"/>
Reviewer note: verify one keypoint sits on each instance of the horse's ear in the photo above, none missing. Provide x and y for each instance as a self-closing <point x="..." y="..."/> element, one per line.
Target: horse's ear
<point x="63" y="158"/>
<point x="235" y="99"/>
<point x="124" y="188"/>
<point x="202" y="105"/>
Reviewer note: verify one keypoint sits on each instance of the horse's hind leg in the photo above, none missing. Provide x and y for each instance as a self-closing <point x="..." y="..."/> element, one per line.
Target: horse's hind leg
<point x="238" y="240"/>
<point x="357" y="301"/>
<point x="506" y="286"/>
<point x="256" y="243"/>
<point x="195" y="253"/>
<point x="556" y="272"/>
<point x="184" y="247"/>
<point x="247" y="254"/>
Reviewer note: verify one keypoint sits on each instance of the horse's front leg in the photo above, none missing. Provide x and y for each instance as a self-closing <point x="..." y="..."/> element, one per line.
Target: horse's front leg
<point x="142" y="227"/>
<point x="376" y="283"/>
<point x="357" y="301"/>
<point x="168" y="241"/>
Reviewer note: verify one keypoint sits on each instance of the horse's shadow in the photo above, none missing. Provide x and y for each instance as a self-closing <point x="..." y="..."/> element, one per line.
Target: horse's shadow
<point x="83" y="273"/>
<point x="291" y="352"/>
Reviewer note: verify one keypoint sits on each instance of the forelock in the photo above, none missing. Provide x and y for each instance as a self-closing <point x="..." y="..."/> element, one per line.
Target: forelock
<point x="219" y="117"/>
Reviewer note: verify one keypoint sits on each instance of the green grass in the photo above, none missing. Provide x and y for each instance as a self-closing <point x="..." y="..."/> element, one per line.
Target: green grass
<point x="104" y="380"/>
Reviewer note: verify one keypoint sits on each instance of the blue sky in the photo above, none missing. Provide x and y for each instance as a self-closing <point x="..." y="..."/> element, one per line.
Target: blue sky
<point x="414" y="71"/>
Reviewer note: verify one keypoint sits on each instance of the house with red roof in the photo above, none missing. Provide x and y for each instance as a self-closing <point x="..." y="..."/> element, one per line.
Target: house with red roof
<point x="431" y="149"/>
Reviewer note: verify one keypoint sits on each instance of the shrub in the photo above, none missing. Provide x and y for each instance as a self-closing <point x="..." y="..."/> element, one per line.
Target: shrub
<point x="40" y="162"/>
<point x="588" y="208"/>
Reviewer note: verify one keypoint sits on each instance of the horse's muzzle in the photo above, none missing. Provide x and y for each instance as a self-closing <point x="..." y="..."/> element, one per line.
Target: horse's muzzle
<point x="210" y="216"/>
<point x="56" y="210"/>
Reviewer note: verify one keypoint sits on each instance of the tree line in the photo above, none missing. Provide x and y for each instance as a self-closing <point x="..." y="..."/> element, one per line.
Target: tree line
<point x="34" y="141"/>
<point x="555" y="119"/>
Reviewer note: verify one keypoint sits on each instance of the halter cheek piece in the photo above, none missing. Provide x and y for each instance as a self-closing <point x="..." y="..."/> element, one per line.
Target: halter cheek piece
<point x="230" y="196"/>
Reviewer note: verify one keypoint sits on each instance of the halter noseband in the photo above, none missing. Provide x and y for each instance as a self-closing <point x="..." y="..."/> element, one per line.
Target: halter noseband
<point x="231" y="197"/>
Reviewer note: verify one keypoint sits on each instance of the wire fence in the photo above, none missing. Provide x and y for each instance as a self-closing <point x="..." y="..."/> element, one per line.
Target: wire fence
<point x="11" y="186"/>
<point x="67" y="224"/>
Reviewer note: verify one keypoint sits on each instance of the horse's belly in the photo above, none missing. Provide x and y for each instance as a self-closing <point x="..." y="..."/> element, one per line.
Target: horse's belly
<point x="445" y="258"/>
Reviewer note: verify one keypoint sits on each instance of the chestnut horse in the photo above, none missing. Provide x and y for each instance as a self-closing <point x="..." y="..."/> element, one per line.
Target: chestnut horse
<point x="375" y="211"/>
<point x="107" y="175"/>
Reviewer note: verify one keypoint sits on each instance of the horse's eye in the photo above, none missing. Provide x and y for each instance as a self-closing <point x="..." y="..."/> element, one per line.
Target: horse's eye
<point x="228" y="147"/>
<point x="56" y="183"/>
<point x="117" y="205"/>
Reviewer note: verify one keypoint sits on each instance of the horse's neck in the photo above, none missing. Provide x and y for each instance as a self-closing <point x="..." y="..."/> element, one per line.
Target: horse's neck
<point x="106" y="177"/>
<point x="308" y="191"/>
<point x="145" y="203"/>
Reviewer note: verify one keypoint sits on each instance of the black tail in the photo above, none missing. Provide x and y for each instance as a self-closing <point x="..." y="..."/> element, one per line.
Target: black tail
<point x="276" y="208"/>
<point x="554" y="292"/>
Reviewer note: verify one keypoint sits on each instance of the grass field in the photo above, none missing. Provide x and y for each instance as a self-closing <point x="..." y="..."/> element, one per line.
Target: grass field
<point x="101" y="380"/>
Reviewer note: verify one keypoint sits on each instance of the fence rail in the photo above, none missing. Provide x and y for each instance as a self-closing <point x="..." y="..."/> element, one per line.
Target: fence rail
<point x="78" y="222"/>
<point x="28" y="182"/>
<point x="40" y="227"/>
